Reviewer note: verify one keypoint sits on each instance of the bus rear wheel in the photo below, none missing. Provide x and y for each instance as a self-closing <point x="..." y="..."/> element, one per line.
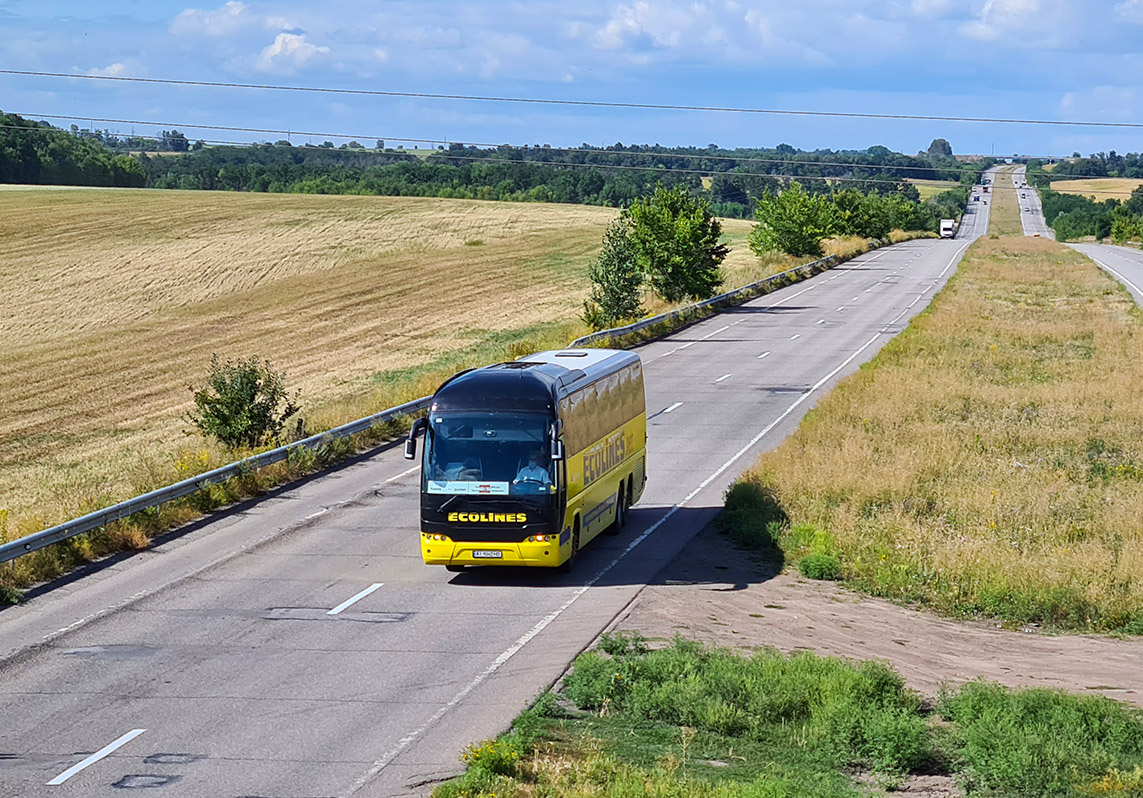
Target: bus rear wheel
<point x="621" y="506"/>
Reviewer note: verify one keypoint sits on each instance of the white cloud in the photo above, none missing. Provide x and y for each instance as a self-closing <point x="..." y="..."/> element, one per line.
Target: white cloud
<point x="1102" y="104"/>
<point x="1130" y="11"/>
<point x="111" y="70"/>
<point x="289" y="52"/>
<point x="223" y="21"/>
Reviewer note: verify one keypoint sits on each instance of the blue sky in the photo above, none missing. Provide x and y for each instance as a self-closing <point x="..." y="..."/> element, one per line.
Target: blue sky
<point x="1043" y="59"/>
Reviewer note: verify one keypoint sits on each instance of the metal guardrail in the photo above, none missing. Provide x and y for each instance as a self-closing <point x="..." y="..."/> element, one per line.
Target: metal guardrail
<point x="86" y="523"/>
<point x="116" y="512"/>
<point x="737" y="296"/>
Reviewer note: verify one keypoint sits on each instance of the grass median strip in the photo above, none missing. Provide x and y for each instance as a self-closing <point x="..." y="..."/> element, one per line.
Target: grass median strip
<point x="687" y="721"/>
<point x="987" y="461"/>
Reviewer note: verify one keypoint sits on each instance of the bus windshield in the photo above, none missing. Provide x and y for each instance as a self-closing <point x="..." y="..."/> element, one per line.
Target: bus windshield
<point x="495" y="454"/>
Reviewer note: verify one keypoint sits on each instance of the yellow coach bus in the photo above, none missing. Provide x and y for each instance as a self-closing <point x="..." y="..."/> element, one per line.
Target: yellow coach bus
<point x="525" y="462"/>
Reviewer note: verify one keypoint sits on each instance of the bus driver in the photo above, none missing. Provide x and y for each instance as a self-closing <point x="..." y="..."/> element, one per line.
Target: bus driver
<point x="533" y="472"/>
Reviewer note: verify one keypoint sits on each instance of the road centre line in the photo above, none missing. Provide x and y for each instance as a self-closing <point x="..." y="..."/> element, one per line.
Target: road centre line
<point x="106" y="750"/>
<point x="673" y="407"/>
<point x="388" y="757"/>
<point x="723" y="377"/>
<point x="349" y="602"/>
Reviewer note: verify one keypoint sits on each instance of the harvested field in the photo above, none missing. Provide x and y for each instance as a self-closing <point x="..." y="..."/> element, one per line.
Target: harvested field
<point x="930" y="188"/>
<point x="1099" y="188"/>
<point x="119" y="298"/>
<point x="988" y="461"/>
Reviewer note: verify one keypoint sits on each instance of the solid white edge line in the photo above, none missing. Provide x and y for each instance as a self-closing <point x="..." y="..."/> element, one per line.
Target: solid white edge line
<point x="723" y="377"/>
<point x="673" y="407"/>
<point x="349" y="602"/>
<point x="1119" y="276"/>
<point x="684" y="346"/>
<point x="106" y="750"/>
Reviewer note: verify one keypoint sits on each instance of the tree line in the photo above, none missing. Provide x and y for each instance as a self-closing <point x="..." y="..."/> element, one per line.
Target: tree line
<point x="613" y="176"/>
<point x="1073" y="216"/>
<point x="38" y="154"/>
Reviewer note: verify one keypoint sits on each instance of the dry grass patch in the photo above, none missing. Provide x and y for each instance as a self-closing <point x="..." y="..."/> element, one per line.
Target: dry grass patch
<point x="1004" y="216"/>
<point x="989" y="459"/>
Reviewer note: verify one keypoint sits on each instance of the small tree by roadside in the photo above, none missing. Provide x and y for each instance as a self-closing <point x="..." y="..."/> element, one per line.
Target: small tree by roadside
<point x="616" y="280"/>
<point x="244" y="403"/>
<point x="676" y="241"/>
<point x="793" y="222"/>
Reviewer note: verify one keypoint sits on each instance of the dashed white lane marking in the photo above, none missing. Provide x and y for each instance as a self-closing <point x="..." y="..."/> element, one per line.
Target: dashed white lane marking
<point x="322" y="511"/>
<point x="820" y="321"/>
<point x="855" y="299"/>
<point x="795" y="336"/>
<point x="673" y="407"/>
<point x="716" y="332"/>
<point x="867" y="290"/>
<point x="349" y="602"/>
<point x="764" y="354"/>
<point x="106" y="750"/>
<point x="840" y="309"/>
<point x="723" y="377"/>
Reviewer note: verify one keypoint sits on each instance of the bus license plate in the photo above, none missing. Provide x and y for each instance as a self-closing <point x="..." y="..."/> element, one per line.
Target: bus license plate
<point x="487" y="554"/>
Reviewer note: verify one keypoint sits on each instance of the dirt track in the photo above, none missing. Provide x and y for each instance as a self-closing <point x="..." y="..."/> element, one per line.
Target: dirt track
<point x="713" y="593"/>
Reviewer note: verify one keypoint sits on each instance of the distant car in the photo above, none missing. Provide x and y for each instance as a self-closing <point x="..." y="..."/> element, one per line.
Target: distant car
<point x="1023" y="195"/>
<point x="1035" y="235"/>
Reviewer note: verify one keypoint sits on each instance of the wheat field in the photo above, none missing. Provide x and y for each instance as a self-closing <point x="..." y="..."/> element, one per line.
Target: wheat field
<point x="1099" y="188"/>
<point x="118" y="298"/>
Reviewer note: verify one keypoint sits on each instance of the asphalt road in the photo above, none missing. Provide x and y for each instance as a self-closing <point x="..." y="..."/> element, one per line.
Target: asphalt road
<point x="1031" y="211"/>
<point x="1125" y="264"/>
<point x="296" y="646"/>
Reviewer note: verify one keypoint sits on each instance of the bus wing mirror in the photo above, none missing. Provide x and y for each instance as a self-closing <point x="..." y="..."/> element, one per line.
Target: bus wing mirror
<point x="411" y="442"/>
<point x="557" y="452"/>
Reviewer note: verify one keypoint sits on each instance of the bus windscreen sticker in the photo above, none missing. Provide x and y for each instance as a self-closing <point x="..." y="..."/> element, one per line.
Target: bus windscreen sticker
<point x="469" y="488"/>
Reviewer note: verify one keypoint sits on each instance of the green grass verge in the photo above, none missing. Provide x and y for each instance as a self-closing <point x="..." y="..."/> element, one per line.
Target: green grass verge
<point x="687" y="721"/>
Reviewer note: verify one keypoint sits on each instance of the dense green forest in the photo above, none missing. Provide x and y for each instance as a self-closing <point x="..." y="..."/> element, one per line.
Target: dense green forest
<point x="615" y="176"/>
<point x="1073" y="216"/>
<point x="37" y="153"/>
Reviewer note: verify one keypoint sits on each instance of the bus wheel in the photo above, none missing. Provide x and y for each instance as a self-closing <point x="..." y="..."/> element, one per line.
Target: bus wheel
<point x="454" y="569"/>
<point x="620" y="513"/>
<point x="567" y="565"/>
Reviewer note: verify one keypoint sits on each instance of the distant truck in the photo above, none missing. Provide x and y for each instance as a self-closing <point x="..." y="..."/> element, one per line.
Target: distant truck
<point x="948" y="228"/>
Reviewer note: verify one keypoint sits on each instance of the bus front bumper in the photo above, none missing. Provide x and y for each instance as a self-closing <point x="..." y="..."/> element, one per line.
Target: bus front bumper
<point x="436" y="551"/>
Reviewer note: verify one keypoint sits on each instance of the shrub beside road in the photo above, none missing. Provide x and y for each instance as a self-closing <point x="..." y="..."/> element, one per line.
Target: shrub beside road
<point x="692" y="722"/>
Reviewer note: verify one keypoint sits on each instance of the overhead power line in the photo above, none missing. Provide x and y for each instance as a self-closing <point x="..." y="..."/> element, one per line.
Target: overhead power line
<point x="585" y="150"/>
<point x="557" y="163"/>
<point x="578" y="103"/>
